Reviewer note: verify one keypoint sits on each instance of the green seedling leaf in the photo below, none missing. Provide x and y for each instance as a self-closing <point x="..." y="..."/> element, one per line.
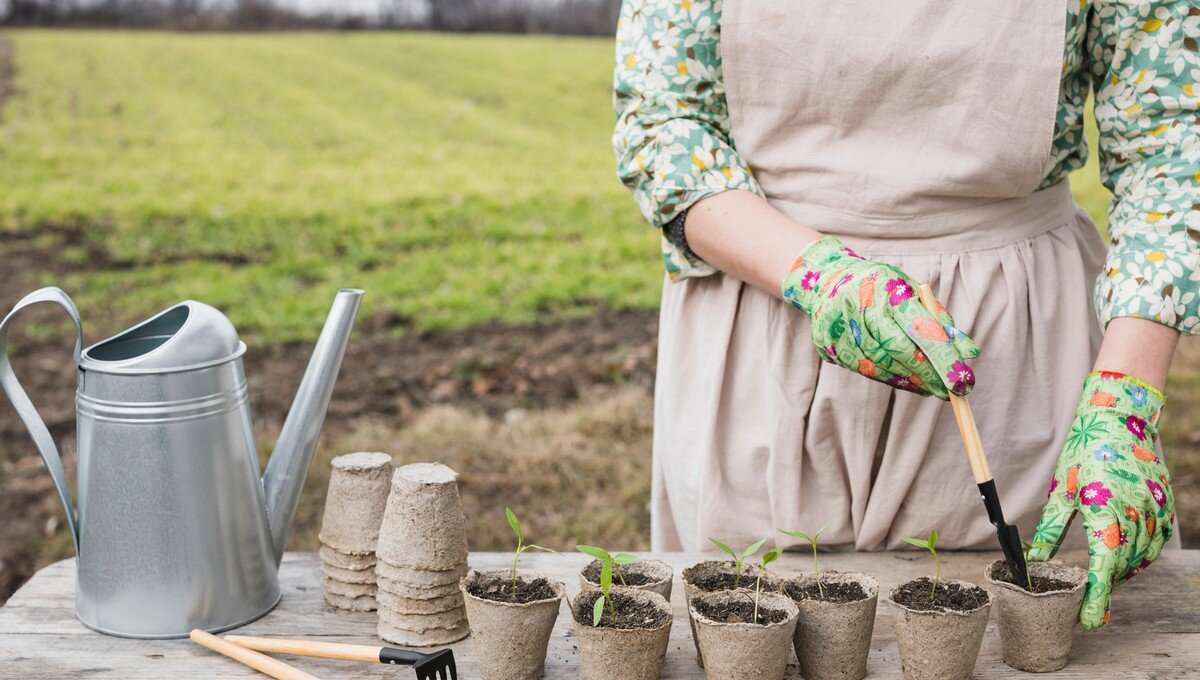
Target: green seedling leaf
<point x="598" y="610"/>
<point x="798" y="534"/>
<point x="625" y="559"/>
<point x="606" y="575"/>
<point x="592" y="551"/>
<point x="753" y="549"/>
<point x="724" y="548"/>
<point x="514" y="523"/>
<point x="929" y="544"/>
<point x="771" y="556"/>
<point x="538" y="547"/>
<point x="822" y="529"/>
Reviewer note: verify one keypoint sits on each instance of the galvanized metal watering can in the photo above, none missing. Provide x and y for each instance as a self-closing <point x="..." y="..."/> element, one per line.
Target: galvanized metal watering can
<point x="175" y="529"/>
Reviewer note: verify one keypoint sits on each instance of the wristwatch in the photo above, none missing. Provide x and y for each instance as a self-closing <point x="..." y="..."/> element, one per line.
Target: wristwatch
<point x="674" y="231"/>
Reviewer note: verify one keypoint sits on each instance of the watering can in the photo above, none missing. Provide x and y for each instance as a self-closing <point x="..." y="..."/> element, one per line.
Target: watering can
<point x="175" y="529"/>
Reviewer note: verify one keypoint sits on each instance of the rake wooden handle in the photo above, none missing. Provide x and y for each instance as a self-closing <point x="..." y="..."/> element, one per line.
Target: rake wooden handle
<point x="962" y="411"/>
<point x="259" y="662"/>
<point x="323" y="650"/>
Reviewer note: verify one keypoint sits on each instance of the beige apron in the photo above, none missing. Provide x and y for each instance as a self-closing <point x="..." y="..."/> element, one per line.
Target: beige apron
<point x="917" y="132"/>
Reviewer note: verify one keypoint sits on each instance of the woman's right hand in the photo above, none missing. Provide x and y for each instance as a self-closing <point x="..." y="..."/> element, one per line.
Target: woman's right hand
<point x="866" y="317"/>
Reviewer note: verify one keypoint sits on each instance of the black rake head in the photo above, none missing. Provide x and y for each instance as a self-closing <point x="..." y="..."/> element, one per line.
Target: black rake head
<point x="437" y="666"/>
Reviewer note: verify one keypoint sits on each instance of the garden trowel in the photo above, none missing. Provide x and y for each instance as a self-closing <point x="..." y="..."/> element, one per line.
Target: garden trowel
<point x="1010" y="538"/>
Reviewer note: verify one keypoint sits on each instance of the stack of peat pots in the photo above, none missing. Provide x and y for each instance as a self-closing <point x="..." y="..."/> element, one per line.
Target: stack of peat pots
<point x="358" y="492"/>
<point x="422" y="554"/>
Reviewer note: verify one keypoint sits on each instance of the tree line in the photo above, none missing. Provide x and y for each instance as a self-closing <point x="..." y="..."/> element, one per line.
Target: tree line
<point x="570" y="17"/>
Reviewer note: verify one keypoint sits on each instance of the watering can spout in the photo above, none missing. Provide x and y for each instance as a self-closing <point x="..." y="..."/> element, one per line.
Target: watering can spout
<point x="284" y="477"/>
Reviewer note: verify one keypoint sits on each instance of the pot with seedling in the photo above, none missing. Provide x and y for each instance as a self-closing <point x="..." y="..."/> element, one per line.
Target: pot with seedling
<point x="622" y="632"/>
<point x="629" y="571"/>
<point x="837" y="617"/>
<point x="746" y="633"/>
<point x="511" y="615"/>
<point x="939" y="623"/>
<point x="713" y="576"/>
<point x="1037" y="618"/>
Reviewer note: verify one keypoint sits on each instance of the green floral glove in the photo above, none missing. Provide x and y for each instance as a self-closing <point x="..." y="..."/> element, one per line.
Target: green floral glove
<point x="1108" y="470"/>
<point x="866" y="317"/>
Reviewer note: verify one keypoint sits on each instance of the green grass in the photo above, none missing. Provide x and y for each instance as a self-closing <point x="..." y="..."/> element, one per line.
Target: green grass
<point x="458" y="179"/>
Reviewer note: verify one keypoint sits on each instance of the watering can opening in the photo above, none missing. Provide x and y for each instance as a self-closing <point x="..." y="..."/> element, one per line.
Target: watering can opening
<point x="141" y="339"/>
<point x="188" y="336"/>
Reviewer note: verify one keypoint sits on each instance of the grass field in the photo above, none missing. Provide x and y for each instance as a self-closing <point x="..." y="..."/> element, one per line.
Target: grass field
<point x="461" y="180"/>
<point x="248" y="169"/>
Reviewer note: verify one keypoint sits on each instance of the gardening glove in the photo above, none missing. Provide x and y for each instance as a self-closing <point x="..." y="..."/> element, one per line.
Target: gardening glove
<point x="866" y="317"/>
<point x="1109" y="471"/>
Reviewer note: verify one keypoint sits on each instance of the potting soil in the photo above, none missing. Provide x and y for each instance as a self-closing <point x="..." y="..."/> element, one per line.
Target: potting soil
<point x="1037" y="584"/>
<point x="949" y="596"/>
<point x="500" y="589"/>
<point x="711" y="583"/>
<point x="631" y="577"/>
<point x="739" y="611"/>
<point x="837" y="592"/>
<point x="631" y="613"/>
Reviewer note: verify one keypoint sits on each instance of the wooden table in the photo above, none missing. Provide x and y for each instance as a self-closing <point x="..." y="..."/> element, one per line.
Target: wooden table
<point x="1155" y="631"/>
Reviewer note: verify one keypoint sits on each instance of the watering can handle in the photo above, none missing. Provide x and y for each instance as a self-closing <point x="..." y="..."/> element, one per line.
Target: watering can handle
<point x="25" y="409"/>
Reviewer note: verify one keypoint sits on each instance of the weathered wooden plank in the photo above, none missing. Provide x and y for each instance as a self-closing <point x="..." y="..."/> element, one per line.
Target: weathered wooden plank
<point x="1155" y="634"/>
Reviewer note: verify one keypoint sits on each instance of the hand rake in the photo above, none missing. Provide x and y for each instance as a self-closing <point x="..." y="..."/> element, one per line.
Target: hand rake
<point x="437" y="665"/>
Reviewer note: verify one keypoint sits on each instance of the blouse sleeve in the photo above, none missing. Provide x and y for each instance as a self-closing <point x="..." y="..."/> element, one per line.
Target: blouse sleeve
<point x="1145" y="66"/>
<point x="672" y="137"/>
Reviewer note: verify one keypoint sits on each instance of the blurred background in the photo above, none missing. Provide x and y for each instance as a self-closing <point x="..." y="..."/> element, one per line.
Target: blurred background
<point x="451" y="157"/>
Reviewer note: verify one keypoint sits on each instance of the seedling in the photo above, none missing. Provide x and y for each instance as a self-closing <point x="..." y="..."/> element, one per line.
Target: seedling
<point x="930" y="545"/>
<point x="521" y="545"/>
<point x="767" y="558"/>
<point x="812" y="540"/>
<point x="738" y="558"/>
<point x="621" y="559"/>
<point x="1028" y="548"/>
<point x="607" y="562"/>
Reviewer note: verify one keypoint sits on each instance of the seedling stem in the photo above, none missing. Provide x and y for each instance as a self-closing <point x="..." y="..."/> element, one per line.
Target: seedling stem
<point x="521" y="546"/>
<point x="813" y="541"/>
<point x="738" y="558"/>
<point x="929" y="544"/>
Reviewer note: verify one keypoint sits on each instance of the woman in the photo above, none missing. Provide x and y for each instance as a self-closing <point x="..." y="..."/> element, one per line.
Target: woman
<point x="828" y="157"/>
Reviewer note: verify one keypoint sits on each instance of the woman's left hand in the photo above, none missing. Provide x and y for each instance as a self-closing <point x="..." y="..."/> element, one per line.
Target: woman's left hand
<point x="1109" y="471"/>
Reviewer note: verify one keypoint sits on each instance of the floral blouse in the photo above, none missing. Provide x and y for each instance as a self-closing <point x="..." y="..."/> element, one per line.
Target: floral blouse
<point x="1140" y="57"/>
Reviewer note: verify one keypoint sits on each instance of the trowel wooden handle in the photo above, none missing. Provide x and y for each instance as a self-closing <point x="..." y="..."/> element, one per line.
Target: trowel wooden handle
<point x="324" y="650"/>
<point x="259" y="662"/>
<point x="962" y="411"/>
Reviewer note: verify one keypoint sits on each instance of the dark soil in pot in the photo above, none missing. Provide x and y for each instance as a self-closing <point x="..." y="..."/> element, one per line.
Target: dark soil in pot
<point x="736" y="642"/>
<point x="511" y="633"/>
<point x="497" y="586"/>
<point x="629" y="644"/>
<point x="630" y="613"/>
<point x="919" y="595"/>
<point x="1037" y="624"/>
<point x="939" y="636"/>
<point x="645" y="574"/>
<point x="738" y="611"/>
<point x="833" y="632"/>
